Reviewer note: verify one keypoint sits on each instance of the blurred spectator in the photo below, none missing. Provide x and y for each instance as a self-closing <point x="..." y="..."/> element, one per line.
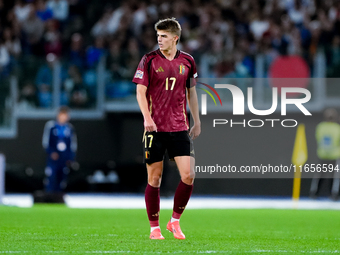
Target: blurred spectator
<point x="328" y="142"/>
<point x="79" y="97"/>
<point x="45" y="72"/>
<point x="75" y="89"/>
<point x="241" y="69"/>
<point x="45" y="96"/>
<point x="139" y="18"/>
<point x="52" y="39"/>
<point x="72" y="79"/>
<point x="12" y="43"/>
<point x="258" y="25"/>
<point x="217" y="33"/>
<point x="33" y="29"/>
<point x="246" y="58"/>
<point x="336" y="50"/>
<point x="224" y="69"/>
<point x="4" y="58"/>
<point x="115" y="20"/>
<point x="2" y="12"/>
<point x="297" y="12"/>
<point x="44" y="81"/>
<point x="77" y="53"/>
<point x="101" y="27"/>
<point x="115" y="60"/>
<point x="278" y="41"/>
<point x="294" y="38"/>
<point x="131" y="58"/>
<point x="28" y="97"/>
<point x="83" y="95"/>
<point x="95" y="52"/>
<point x="59" y="9"/>
<point x="10" y="19"/>
<point x="148" y="40"/>
<point x="22" y="10"/>
<point x="43" y="11"/>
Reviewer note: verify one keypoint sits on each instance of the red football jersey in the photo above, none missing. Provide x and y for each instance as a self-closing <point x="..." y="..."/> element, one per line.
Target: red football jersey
<point x="166" y="83"/>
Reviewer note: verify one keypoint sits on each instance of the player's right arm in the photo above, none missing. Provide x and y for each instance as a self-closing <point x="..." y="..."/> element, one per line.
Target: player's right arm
<point x="46" y="141"/>
<point x="149" y="124"/>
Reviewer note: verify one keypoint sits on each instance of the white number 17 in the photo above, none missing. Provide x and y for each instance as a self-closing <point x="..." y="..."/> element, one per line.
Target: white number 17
<point x="173" y="79"/>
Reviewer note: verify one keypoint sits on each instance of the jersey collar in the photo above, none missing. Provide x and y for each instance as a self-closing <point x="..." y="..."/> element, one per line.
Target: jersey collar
<point x="161" y="54"/>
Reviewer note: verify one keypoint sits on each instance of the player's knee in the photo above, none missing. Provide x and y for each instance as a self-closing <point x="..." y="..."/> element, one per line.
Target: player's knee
<point x="188" y="178"/>
<point x="154" y="181"/>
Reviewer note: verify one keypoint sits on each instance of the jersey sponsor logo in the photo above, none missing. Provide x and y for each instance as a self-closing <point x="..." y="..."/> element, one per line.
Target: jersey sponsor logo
<point x="181" y="69"/>
<point x="139" y="74"/>
<point x="160" y="70"/>
<point x="195" y="75"/>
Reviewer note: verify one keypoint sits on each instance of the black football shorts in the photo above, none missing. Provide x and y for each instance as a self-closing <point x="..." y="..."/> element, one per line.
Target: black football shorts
<point x="175" y="143"/>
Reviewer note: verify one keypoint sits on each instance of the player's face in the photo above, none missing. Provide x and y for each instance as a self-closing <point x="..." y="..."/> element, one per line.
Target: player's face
<point x="63" y="118"/>
<point x="166" y="40"/>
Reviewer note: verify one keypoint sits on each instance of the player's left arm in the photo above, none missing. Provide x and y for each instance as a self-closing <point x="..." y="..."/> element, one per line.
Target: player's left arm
<point x="74" y="142"/>
<point x="193" y="105"/>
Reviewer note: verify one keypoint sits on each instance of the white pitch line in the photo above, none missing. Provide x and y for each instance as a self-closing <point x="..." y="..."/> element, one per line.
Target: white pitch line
<point x="174" y="252"/>
<point x="20" y="200"/>
<point x="138" y="202"/>
<point x="115" y="201"/>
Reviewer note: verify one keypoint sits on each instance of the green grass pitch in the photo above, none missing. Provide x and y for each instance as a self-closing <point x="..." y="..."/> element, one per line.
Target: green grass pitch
<point x="56" y="229"/>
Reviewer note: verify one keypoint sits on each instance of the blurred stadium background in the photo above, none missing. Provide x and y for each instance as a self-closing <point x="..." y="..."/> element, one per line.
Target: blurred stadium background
<point x="83" y="53"/>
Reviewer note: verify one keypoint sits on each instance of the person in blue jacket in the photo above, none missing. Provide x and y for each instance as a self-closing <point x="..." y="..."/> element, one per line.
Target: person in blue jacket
<point x="60" y="144"/>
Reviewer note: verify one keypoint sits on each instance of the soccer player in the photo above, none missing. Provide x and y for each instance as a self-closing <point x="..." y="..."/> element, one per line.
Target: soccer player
<point x="60" y="144"/>
<point x="164" y="82"/>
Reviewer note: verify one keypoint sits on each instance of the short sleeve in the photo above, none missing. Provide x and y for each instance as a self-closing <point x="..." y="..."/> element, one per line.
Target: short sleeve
<point x="191" y="82"/>
<point x="142" y="72"/>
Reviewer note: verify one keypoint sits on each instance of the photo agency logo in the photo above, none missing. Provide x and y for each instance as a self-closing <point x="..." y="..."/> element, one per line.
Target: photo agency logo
<point x="238" y="105"/>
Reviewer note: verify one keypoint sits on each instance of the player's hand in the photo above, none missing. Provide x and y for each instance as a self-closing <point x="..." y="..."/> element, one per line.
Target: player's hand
<point x="150" y="125"/>
<point x="195" y="131"/>
<point x="54" y="156"/>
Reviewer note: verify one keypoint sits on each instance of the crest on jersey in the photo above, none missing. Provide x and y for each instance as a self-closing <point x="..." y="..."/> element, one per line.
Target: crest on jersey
<point x="139" y="74"/>
<point x="181" y="69"/>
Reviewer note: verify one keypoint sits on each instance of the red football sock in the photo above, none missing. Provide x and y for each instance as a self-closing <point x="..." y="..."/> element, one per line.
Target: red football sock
<point x="182" y="196"/>
<point x="152" y="201"/>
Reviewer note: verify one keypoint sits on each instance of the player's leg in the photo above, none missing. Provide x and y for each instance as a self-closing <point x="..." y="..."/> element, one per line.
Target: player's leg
<point x="182" y="150"/>
<point x="152" y="197"/>
<point x="50" y="181"/>
<point x="183" y="192"/>
<point x="59" y="176"/>
<point x="64" y="173"/>
<point x="336" y="182"/>
<point x="333" y="178"/>
<point x="315" y="184"/>
<point x="185" y="165"/>
<point x="154" y="152"/>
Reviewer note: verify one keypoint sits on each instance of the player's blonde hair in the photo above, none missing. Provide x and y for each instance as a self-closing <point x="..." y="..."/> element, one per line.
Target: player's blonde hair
<point x="170" y="25"/>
